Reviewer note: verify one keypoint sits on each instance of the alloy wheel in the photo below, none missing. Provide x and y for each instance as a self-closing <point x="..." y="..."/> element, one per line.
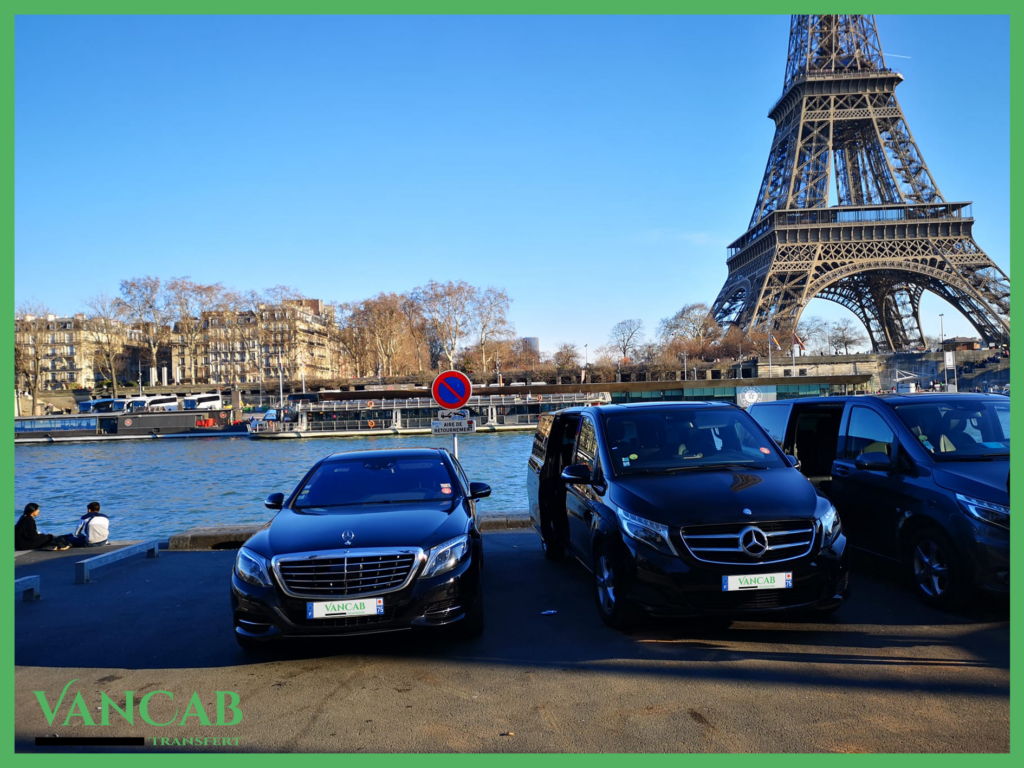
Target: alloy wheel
<point x="606" y="584"/>
<point x="931" y="568"/>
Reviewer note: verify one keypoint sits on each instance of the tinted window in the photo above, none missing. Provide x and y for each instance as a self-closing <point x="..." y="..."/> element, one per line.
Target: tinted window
<point x="586" y="447"/>
<point x="540" y="439"/>
<point x="773" y="418"/>
<point x="376" y="481"/>
<point x="953" y="428"/>
<point x="644" y="441"/>
<point x="868" y="433"/>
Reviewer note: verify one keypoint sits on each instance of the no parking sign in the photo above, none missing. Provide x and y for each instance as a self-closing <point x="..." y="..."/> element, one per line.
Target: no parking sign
<point x="451" y="390"/>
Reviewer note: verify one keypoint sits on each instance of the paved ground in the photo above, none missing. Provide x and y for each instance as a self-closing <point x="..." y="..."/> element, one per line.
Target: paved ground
<point x="883" y="674"/>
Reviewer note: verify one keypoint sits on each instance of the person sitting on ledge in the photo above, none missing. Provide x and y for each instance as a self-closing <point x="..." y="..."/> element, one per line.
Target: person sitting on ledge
<point x="27" y="537"/>
<point x="93" y="529"/>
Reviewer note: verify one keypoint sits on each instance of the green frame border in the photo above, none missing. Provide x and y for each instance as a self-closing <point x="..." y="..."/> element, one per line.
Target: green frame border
<point x="302" y="7"/>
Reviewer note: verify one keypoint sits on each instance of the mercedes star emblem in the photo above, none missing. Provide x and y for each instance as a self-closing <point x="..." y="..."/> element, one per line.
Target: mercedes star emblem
<point x="348" y="536"/>
<point x="753" y="541"/>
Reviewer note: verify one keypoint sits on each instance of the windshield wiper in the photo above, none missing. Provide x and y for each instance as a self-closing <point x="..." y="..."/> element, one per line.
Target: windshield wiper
<point x="697" y="467"/>
<point x="345" y="504"/>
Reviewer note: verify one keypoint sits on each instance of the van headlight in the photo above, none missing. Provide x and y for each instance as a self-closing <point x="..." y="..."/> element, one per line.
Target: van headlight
<point x="831" y="526"/>
<point x="252" y="568"/>
<point x="654" y="535"/>
<point x="444" y="557"/>
<point x="986" y="511"/>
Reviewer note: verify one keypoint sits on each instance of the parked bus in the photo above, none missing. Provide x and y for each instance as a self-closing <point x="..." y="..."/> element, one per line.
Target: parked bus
<point x="205" y="402"/>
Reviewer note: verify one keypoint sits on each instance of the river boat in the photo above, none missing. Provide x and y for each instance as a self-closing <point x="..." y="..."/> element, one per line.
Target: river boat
<point x="123" y="425"/>
<point x="303" y="418"/>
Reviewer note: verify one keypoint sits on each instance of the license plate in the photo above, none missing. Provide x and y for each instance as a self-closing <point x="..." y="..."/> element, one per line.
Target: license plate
<point x="340" y="608"/>
<point x="757" y="581"/>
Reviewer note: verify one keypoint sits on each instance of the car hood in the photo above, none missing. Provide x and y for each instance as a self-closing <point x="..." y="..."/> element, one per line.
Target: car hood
<point x="986" y="480"/>
<point x="376" y="525"/>
<point x="708" y="497"/>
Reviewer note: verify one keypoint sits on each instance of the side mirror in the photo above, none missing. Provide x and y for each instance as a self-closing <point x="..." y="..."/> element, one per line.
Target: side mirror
<point x="577" y="474"/>
<point x="479" y="490"/>
<point x="874" y="462"/>
<point x="793" y="461"/>
<point x="274" y="501"/>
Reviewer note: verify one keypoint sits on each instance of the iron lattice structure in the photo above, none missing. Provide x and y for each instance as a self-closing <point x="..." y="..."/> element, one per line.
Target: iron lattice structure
<point x="891" y="237"/>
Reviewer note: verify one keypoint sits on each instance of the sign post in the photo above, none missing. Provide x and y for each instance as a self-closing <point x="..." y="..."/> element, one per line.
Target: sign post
<point x="451" y="390"/>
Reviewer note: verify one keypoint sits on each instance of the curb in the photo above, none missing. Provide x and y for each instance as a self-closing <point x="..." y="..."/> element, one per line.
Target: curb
<point x="215" y="537"/>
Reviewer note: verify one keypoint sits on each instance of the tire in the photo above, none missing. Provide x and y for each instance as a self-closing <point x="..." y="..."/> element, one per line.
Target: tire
<point x="249" y="644"/>
<point x="613" y="606"/>
<point x="938" y="574"/>
<point x="473" y="624"/>
<point x="554" y="548"/>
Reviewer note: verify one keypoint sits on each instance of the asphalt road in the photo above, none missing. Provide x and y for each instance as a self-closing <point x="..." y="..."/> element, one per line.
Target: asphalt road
<point x="883" y="674"/>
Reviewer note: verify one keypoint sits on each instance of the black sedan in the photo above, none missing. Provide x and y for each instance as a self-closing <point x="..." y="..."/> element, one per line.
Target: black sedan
<point x="369" y="541"/>
<point x="683" y="509"/>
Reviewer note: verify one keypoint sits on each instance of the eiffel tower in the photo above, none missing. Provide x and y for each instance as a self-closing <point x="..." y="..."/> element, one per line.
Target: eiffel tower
<point x="892" y="235"/>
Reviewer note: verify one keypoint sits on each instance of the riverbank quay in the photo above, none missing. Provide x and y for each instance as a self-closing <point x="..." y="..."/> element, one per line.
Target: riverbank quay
<point x="883" y="674"/>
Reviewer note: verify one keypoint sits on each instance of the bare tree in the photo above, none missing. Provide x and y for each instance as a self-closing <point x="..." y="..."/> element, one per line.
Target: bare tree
<point x="448" y="308"/>
<point x="845" y="334"/>
<point x="490" y="315"/>
<point x="693" y="323"/>
<point x="191" y="304"/>
<point x="355" y="337"/>
<point x="415" y="326"/>
<point x="33" y="337"/>
<point x="145" y="305"/>
<point x="626" y="337"/>
<point x="106" y="331"/>
<point x="566" y="356"/>
<point x="386" y="321"/>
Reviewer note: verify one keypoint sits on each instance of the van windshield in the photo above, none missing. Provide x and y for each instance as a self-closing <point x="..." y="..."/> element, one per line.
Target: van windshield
<point x="958" y="429"/>
<point x="376" y="481"/>
<point x="660" y="441"/>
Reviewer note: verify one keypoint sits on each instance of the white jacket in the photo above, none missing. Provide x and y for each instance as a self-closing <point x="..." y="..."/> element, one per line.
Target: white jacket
<point x="95" y="527"/>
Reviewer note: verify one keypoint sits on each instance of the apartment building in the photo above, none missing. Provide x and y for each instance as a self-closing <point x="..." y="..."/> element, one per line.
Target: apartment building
<point x="61" y="349"/>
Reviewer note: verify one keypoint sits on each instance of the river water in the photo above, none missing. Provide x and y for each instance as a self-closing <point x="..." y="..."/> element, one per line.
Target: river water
<point x="154" y="488"/>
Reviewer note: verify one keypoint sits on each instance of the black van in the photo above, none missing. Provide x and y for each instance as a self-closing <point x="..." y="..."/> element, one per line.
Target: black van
<point x="923" y="478"/>
<point x="682" y="509"/>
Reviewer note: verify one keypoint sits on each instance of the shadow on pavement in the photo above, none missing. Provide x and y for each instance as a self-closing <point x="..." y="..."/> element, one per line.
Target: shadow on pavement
<point x="174" y="612"/>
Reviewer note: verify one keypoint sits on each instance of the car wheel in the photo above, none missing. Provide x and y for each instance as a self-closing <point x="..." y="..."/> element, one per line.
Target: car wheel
<point x="553" y="550"/>
<point x="249" y="643"/>
<point x="473" y="623"/>
<point x="939" y="577"/>
<point x="614" y="607"/>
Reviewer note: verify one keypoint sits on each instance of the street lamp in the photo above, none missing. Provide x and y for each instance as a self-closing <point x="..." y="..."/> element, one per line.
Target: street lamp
<point x="684" y="366"/>
<point x="942" y="352"/>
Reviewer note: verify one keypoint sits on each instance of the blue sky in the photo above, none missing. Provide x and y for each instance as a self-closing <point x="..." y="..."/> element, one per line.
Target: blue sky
<point x="595" y="167"/>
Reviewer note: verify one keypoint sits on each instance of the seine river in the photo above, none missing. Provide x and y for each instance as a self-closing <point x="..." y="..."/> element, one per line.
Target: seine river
<point x="153" y="488"/>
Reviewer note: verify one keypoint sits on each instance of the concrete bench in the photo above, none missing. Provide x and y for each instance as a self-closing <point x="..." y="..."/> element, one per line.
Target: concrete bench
<point x="27" y="588"/>
<point x="84" y="567"/>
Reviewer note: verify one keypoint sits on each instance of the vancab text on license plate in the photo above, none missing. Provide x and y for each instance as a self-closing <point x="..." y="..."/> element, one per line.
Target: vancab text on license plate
<point x="335" y="608"/>
<point x="757" y="581"/>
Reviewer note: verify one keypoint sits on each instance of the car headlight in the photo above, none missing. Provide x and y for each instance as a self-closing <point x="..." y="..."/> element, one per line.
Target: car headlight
<point x="648" y="532"/>
<point x="444" y="557"/>
<point x="831" y="526"/>
<point x="252" y="568"/>
<point x="986" y="511"/>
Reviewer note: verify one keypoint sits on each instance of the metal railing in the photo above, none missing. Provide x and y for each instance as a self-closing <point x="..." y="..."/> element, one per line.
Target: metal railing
<point x="426" y="402"/>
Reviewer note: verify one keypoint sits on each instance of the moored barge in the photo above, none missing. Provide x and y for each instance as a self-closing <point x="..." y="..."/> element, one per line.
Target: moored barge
<point x="410" y="416"/>
<point x="125" y="426"/>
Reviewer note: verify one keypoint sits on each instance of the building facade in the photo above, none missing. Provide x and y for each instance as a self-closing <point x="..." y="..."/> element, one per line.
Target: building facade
<point x="60" y="350"/>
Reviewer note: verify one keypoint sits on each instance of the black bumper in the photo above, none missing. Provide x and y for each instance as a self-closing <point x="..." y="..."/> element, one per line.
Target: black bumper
<point x="664" y="585"/>
<point x="987" y="548"/>
<point x="268" y="614"/>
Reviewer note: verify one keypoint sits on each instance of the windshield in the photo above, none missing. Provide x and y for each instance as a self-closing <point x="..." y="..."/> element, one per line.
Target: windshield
<point x="957" y="429"/>
<point x="376" y="481"/>
<point x="677" y="439"/>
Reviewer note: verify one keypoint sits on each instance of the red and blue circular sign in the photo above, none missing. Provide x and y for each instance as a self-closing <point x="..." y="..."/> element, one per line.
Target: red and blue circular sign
<point x="451" y="389"/>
